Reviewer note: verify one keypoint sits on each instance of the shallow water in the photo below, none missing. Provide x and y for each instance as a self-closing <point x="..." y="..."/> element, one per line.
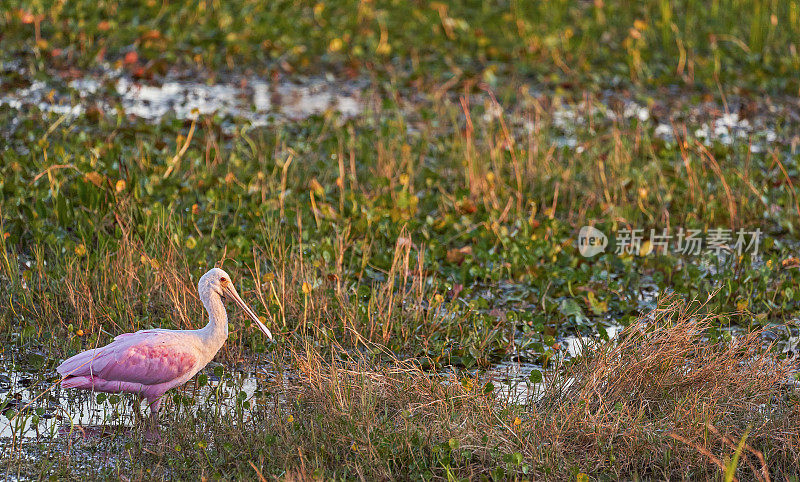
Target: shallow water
<point x="37" y="395"/>
<point x="66" y="412"/>
<point x="254" y="100"/>
<point x="258" y="101"/>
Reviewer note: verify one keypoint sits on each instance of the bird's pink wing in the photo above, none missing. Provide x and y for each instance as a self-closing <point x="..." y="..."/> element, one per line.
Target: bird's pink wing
<point x="141" y="333"/>
<point x="148" y="357"/>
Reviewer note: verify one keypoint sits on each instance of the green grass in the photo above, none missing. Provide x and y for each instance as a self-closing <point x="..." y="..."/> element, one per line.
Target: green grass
<point x="420" y="237"/>
<point x="475" y="217"/>
<point x="752" y="43"/>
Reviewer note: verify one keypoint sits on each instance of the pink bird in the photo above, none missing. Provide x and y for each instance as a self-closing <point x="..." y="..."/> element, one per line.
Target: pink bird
<point x="150" y="362"/>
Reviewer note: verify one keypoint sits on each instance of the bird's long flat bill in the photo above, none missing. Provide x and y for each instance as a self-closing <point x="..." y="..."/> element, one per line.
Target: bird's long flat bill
<point x="231" y="291"/>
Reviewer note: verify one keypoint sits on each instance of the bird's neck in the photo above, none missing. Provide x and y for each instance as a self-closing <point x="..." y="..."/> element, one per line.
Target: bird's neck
<point x="216" y="331"/>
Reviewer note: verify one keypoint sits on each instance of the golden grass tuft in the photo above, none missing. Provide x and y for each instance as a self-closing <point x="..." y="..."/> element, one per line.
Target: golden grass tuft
<point x="666" y="402"/>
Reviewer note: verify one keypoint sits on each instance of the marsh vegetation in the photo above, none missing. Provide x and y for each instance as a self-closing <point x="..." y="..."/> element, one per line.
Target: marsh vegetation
<point x="398" y="190"/>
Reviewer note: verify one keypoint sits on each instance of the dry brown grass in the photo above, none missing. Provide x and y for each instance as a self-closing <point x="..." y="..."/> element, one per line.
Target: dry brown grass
<point x="663" y="403"/>
<point x="304" y="298"/>
<point x="382" y="420"/>
<point x="666" y="402"/>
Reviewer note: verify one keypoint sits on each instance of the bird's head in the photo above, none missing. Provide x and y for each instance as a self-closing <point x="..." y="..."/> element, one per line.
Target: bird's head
<point x="217" y="281"/>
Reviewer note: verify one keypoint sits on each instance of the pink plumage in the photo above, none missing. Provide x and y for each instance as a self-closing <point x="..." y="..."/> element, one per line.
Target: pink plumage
<point x="150" y="362"/>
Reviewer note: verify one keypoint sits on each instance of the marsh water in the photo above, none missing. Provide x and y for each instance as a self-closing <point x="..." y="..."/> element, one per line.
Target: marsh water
<point x="254" y="101"/>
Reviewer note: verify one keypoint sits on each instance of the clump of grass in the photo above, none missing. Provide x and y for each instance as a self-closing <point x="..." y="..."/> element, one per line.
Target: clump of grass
<point x="667" y="402"/>
<point x="392" y="420"/>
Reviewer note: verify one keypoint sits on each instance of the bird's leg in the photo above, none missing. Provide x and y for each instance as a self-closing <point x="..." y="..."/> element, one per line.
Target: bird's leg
<point x="153" y="433"/>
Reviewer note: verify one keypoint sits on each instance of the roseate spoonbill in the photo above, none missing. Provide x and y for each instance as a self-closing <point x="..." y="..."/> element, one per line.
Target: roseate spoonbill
<point x="150" y="362"/>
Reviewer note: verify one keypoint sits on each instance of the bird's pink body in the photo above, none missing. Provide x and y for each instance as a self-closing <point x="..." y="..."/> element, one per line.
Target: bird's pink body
<point x="150" y="362"/>
<point x="147" y="363"/>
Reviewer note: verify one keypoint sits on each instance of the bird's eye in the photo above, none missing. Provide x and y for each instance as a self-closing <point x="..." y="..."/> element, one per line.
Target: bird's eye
<point x="223" y="279"/>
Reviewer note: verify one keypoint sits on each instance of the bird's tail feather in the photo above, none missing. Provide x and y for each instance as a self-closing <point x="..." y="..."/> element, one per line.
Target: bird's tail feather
<point x="78" y="365"/>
